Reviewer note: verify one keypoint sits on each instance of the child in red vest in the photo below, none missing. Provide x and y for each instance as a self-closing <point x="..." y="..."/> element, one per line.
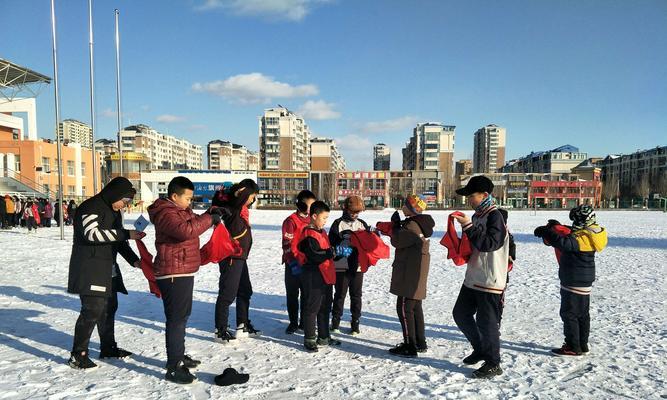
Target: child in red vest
<point x="293" y="226"/>
<point x="316" y="255"/>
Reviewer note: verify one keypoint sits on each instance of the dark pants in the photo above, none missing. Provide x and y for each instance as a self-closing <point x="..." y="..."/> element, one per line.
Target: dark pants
<point x="31" y="223"/>
<point x="353" y="281"/>
<point x="234" y="283"/>
<point x="9" y="220"/>
<point x="3" y="217"/>
<point x="96" y="311"/>
<point x="294" y="303"/>
<point x="46" y="222"/>
<point x="177" y="301"/>
<point x="477" y="314"/>
<point x="576" y="318"/>
<point x="318" y="303"/>
<point x="411" y="315"/>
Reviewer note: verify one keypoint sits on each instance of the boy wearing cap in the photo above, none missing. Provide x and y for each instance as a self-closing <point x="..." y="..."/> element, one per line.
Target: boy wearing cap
<point x="93" y="272"/>
<point x="576" y="271"/>
<point x="409" y="274"/>
<point x="348" y="273"/>
<point x="478" y="307"/>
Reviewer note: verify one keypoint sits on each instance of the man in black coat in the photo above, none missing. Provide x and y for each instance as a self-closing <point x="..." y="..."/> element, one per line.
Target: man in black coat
<point x="93" y="272"/>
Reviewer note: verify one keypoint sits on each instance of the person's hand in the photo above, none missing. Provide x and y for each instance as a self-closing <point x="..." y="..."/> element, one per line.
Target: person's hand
<point x="462" y="219"/>
<point x="396" y="218"/>
<point x="136" y="235"/>
<point x="215" y="219"/>
<point x="137" y="264"/>
<point x="540" y="231"/>
<point x="343" y="251"/>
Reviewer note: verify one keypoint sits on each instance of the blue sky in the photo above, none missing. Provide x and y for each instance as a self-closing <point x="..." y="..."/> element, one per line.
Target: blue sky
<point x="588" y="73"/>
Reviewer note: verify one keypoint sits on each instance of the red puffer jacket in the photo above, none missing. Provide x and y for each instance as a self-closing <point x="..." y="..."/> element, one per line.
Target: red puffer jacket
<point x="177" y="233"/>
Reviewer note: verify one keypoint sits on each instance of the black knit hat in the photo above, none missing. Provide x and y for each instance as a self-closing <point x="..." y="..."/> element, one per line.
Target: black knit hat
<point x="582" y="216"/>
<point x="476" y="184"/>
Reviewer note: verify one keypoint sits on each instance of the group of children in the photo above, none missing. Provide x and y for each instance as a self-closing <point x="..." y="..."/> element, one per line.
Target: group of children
<point x="31" y="213"/>
<point x="320" y="270"/>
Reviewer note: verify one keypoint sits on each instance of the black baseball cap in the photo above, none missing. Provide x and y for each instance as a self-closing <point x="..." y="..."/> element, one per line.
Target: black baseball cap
<point x="476" y="184"/>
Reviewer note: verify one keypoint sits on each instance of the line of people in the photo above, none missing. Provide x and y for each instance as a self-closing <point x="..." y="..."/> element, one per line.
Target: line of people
<point x="31" y="213"/>
<point x="321" y="269"/>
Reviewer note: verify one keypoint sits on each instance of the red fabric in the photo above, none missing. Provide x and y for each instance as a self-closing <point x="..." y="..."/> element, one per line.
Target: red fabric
<point x="327" y="268"/>
<point x="370" y="248"/>
<point x="458" y="249"/>
<point x="292" y="226"/>
<point x="245" y="214"/>
<point x="35" y="213"/>
<point x="561" y="230"/>
<point x="220" y="246"/>
<point x="385" y="227"/>
<point x="177" y="232"/>
<point x="147" y="268"/>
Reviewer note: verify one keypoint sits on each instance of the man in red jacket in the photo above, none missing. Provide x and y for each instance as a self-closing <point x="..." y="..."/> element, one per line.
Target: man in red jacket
<point x="177" y="231"/>
<point x="292" y="227"/>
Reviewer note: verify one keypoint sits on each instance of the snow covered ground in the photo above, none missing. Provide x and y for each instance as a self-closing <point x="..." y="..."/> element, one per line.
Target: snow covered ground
<point x="628" y="340"/>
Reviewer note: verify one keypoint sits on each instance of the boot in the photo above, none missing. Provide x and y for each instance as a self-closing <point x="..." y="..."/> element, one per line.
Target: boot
<point x="179" y="374"/>
<point x="114" y="352"/>
<point x="80" y="361"/>
<point x="335" y="325"/>
<point x="223" y="335"/>
<point x="354" y="327"/>
<point x="310" y="344"/>
<point x="487" y="371"/>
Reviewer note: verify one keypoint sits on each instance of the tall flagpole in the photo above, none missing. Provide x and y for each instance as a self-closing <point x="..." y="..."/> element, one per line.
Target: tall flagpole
<point x="92" y="94"/>
<point x="57" y="103"/>
<point x="118" y="114"/>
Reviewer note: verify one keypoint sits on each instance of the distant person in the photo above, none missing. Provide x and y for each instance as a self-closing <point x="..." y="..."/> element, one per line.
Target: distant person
<point x="576" y="247"/>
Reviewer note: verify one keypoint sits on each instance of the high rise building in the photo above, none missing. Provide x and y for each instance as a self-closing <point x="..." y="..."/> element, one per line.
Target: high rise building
<point x="73" y="131"/>
<point x="462" y="167"/>
<point x="223" y="155"/>
<point x="431" y="148"/>
<point x="489" y="149"/>
<point x="381" y="157"/>
<point x="325" y="155"/>
<point x="284" y="141"/>
<point x="164" y="151"/>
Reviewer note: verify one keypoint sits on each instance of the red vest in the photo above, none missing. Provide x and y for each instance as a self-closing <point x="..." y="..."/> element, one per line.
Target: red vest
<point x="561" y="230"/>
<point x="327" y="268"/>
<point x="220" y="246"/>
<point x="299" y="225"/>
<point x="458" y="249"/>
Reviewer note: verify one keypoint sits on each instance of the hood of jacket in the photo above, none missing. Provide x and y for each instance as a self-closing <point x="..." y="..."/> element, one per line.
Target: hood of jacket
<point x="425" y="222"/>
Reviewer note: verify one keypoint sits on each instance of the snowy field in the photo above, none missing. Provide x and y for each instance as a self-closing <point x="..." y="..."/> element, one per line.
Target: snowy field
<point x="628" y="341"/>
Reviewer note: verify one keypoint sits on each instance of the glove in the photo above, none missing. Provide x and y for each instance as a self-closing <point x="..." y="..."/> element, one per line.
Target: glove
<point x="343" y="251"/>
<point x="216" y="218"/>
<point x="221" y="211"/>
<point x="295" y="267"/>
<point x="540" y="231"/>
<point x="396" y="218"/>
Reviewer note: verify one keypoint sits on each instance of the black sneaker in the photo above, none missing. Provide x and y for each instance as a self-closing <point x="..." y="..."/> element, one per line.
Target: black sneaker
<point x="406" y="350"/>
<point x="223" y="335"/>
<point x="114" y="352"/>
<point x="246" y="330"/>
<point x="231" y="377"/>
<point x="584" y="349"/>
<point x="354" y="327"/>
<point x="328" y="342"/>
<point x="81" y="361"/>
<point x="473" y="359"/>
<point x="190" y="362"/>
<point x="422" y="348"/>
<point x="487" y="371"/>
<point x="566" y="351"/>
<point x="180" y="374"/>
<point x="291" y="329"/>
<point x="335" y="325"/>
<point x="310" y="345"/>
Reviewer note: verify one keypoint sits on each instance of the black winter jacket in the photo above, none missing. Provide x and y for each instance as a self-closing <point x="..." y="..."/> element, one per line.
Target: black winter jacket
<point x="98" y="237"/>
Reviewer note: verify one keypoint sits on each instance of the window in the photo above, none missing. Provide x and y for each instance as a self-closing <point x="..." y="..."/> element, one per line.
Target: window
<point x="83" y="190"/>
<point x="70" y="169"/>
<point x="71" y="190"/>
<point x="17" y="163"/>
<point x="46" y="164"/>
<point x="83" y="169"/>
